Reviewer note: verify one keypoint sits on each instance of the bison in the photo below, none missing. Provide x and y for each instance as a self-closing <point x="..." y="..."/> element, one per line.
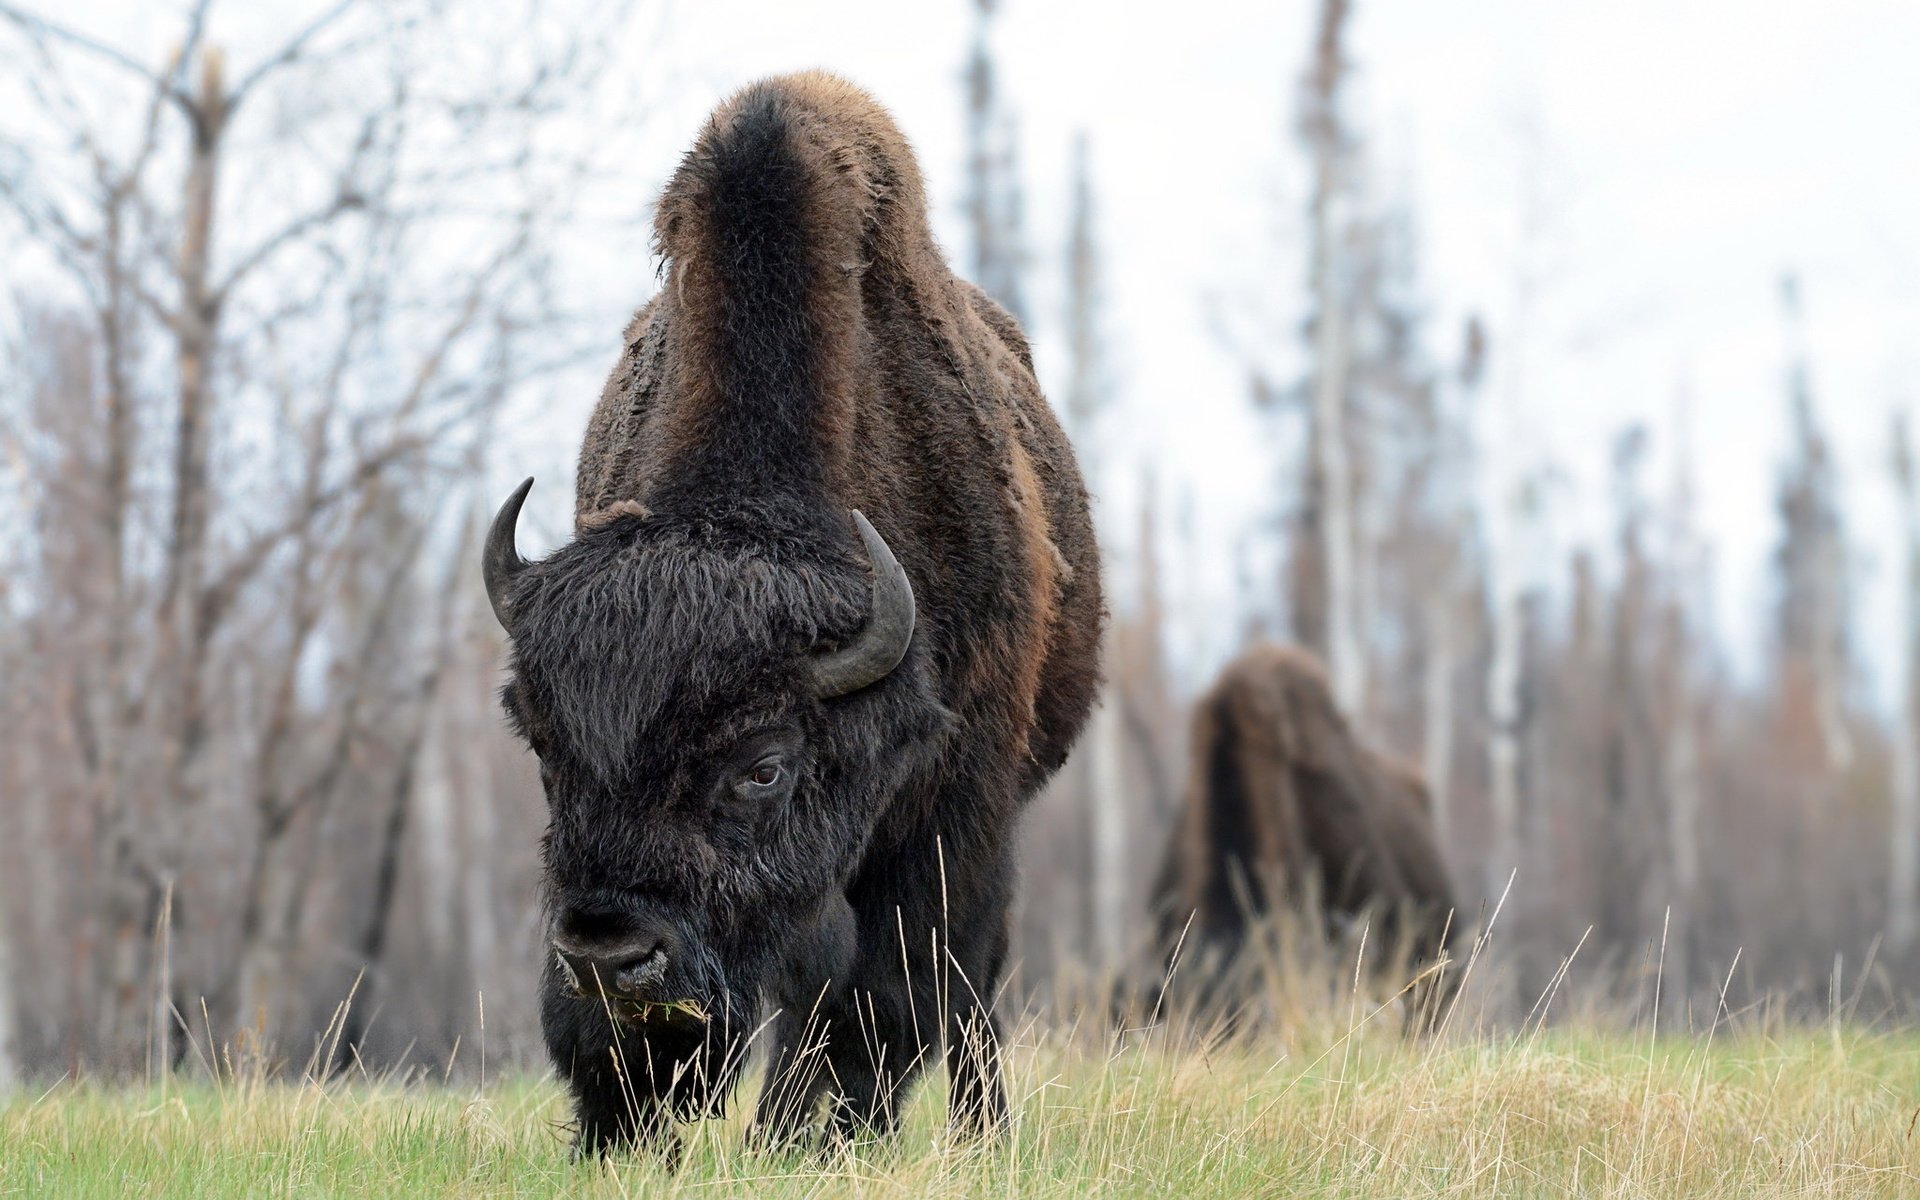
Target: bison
<point x="829" y="617"/>
<point x="1284" y="806"/>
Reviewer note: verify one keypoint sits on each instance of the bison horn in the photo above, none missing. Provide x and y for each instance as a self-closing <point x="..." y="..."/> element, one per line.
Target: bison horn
<point x="879" y="647"/>
<point x="502" y="563"/>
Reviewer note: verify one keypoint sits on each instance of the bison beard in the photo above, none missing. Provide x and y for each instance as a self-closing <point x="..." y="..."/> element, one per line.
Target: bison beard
<point x="785" y="745"/>
<point x="1284" y="804"/>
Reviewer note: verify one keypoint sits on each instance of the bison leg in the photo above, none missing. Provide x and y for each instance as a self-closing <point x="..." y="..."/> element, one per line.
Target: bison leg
<point x="797" y="1076"/>
<point x="810" y="990"/>
<point x="978" y="1101"/>
<point x="1434" y="938"/>
<point x="873" y="1056"/>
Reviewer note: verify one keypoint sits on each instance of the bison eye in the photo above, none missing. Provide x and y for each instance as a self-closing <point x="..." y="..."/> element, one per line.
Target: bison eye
<point x="765" y="774"/>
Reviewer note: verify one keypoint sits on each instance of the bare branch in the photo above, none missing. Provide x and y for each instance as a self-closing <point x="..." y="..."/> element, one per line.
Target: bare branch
<point x="33" y="24"/>
<point x="346" y="198"/>
<point x="334" y="762"/>
<point x="220" y="594"/>
<point x="343" y="202"/>
<point x="49" y="226"/>
<point x="175" y="84"/>
<point x="289" y="52"/>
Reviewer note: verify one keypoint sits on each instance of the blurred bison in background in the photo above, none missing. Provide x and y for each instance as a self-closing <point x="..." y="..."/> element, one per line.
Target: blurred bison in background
<point x="784" y="748"/>
<point x="1284" y="807"/>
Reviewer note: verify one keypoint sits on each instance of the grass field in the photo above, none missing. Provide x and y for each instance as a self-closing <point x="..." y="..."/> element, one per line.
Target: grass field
<point x="1812" y="1113"/>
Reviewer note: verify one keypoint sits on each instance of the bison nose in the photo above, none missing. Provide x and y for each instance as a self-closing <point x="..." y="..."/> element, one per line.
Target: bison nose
<point x="632" y="972"/>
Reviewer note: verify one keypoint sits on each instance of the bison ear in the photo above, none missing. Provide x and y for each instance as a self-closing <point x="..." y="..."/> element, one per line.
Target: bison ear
<point x="878" y="648"/>
<point x="501" y="563"/>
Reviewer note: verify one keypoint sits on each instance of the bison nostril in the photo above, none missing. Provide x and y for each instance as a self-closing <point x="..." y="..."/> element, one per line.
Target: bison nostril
<point x="638" y="975"/>
<point x="621" y="973"/>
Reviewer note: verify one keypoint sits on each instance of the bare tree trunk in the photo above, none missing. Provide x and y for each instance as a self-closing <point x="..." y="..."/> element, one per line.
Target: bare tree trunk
<point x="1503" y="739"/>
<point x="1815" y="556"/>
<point x="1436" y="749"/>
<point x="1683" y="819"/>
<point x="1509" y="513"/>
<point x="9" y="1037"/>
<point x="143" y="866"/>
<point x="992" y="203"/>
<point x="1829" y="668"/>
<point x="1903" y="888"/>
<point x="267" y="928"/>
<point x="1685" y="621"/>
<point x="1332" y="360"/>
<point x="480" y="890"/>
<point x="1903" y="876"/>
<point x="438" y="839"/>
<point x="1106" y="796"/>
<point x="414" y="765"/>
<point x="1109" y="802"/>
<point x="196" y="336"/>
<point x="1445" y="606"/>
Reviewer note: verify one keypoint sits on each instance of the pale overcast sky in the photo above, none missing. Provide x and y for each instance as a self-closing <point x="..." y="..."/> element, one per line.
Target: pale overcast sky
<point x="1690" y="150"/>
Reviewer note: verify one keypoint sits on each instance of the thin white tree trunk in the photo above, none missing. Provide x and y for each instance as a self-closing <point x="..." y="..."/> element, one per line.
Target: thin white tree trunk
<point x="1436" y="752"/>
<point x="266" y="978"/>
<point x="1683" y="825"/>
<point x="9" y="1037"/>
<point x="439" y="874"/>
<point x="480" y="890"/>
<point x="1503" y="742"/>
<point x="1903" y="874"/>
<point x="1109" y="804"/>
<point x="1687" y="614"/>
<point x="1332" y="353"/>
<point x="1331" y="363"/>
<point x="1829" y="670"/>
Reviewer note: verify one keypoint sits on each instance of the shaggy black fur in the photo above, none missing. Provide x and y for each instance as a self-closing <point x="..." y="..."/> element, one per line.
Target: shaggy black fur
<point x="810" y="354"/>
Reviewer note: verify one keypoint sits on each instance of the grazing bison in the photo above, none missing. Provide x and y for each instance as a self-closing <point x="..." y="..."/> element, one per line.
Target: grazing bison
<point x="1284" y="804"/>
<point x="829" y="617"/>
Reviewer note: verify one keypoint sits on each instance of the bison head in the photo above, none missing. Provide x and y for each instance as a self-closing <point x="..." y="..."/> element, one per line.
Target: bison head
<point x="722" y="707"/>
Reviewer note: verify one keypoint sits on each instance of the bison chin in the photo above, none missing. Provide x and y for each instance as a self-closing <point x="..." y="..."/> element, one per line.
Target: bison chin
<point x="634" y="1074"/>
<point x="649" y="1028"/>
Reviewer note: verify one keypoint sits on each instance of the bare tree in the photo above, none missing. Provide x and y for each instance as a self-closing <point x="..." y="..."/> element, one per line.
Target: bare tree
<point x="1812" y="563"/>
<point x="297" y="276"/>
<point x="1685" y="621"/>
<point x="9" y="1047"/>
<point x="1903" y="875"/>
<point x="1443" y="611"/>
<point x="1109" y="803"/>
<point x="994" y="200"/>
<point x="1514" y="495"/>
<point x="1326" y="602"/>
<point x="1629" y="751"/>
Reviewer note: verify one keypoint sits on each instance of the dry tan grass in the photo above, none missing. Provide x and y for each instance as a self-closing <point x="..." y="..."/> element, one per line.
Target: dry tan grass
<point x="1322" y="1109"/>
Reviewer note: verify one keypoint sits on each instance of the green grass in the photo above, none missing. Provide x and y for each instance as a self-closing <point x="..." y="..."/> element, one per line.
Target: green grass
<point x="1818" y="1113"/>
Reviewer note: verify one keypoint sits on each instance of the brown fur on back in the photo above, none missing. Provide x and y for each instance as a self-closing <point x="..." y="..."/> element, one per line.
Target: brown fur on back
<point x="1283" y="800"/>
<point x="915" y="381"/>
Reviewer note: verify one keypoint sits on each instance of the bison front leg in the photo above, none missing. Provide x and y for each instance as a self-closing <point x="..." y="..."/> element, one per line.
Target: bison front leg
<point x="978" y="1103"/>
<point x="798" y="1074"/>
<point x="811" y="993"/>
<point x="934" y="1000"/>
